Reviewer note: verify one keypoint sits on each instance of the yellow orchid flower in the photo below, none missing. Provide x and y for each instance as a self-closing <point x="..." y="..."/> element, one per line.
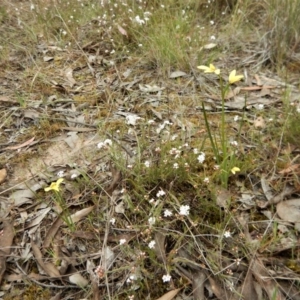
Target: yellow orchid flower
<point x="54" y="186"/>
<point x="234" y="78"/>
<point x="235" y="169"/>
<point x="210" y="69"/>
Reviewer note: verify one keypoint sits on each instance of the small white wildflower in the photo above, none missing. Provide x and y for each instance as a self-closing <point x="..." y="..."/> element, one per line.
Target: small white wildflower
<point x="112" y="51"/>
<point x="227" y="234"/>
<point x="139" y="20"/>
<point x="212" y="22"/>
<point x="151" y="200"/>
<point x="147" y="163"/>
<point x="157" y="149"/>
<point x="151" y="221"/>
<point x="162" y="6"/>
<point x="216" y="167"/>
<point x="234" y="143"/>
<point x="74" y="175"/>
<point x="160" y="193"/>
<point x="131" y="278"/>
<point x="206" y="180"/>
<point x="151" y="245"/>
<point x="105" y="144"/>
<point x="129" y="166"/>
<point x="64" y="32"/>
<point x="196" y="151"/>
<point x="60" y="174"/>
<point x="112" y="221"/>
<point x="131" y="119"/>
<point x="260" y="106"/>
<point x="175" y="166"/>
<point x="32" y="7"/>
<point x="201" y="157"/>
<point x="167" y="213"/>
<point x="140" y="45"/>
<point x="166" y="278"/>
<point x="184" y="210"/>
<point x="236" y="118"/>
<point x="212" y="37"/>
<point x="122" y="241"/>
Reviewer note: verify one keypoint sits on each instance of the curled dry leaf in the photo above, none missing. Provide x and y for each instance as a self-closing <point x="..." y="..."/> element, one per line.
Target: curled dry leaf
<point x="170" y="295"/>
<point x="78" y="280"/>
<point x="289" y="210"/>
<point x="6" y="239"/>
<point x="3" y="174"/>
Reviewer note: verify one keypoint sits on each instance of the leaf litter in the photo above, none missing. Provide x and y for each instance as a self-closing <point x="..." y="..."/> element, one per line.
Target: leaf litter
<point x="53" y="255"/>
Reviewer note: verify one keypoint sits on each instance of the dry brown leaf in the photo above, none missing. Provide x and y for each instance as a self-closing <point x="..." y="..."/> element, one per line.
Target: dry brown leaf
<point x="51" y="233"/>
<point x="79" y="280"/>
<point x="27" y="143"/>
<point x="69" y="76"/>
<point x="3" y="174"/>
<point x="265" y="280"/>
<point x="198" y="280"/>
<point x="81" y="214"/>
<point x="289" y="169"/>
<point x="48" y="267"/>
<point x="259" y="122"/>
<point x="223" y="197"/>
<point x="122" y="30"/>
<point x="170" y="295"/>
<point x="160" y="247"/>
<point x="6" y="239"/>
<point x="289" y="210"/>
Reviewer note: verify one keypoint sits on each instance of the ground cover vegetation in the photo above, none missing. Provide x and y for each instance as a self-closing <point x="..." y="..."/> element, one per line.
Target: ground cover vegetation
<point x="149" y="149"/>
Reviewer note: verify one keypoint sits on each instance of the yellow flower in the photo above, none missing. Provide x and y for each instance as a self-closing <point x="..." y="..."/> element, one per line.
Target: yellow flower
<point x="233" y="77"/>
<point x="235" y="169"/>
<point x="54" y="186"/>
<point x="210" y="69"/>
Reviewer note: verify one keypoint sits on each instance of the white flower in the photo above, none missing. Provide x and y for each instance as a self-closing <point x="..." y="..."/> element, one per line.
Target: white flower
<point x="212" y="37"/>
<point x="131" y="278"/>
<point x="122" y="241"/>
<point x="60" y="174"/>
<point x="112" y="221"/>
<point x="184" y="210"/>
<point x="206" y="180"/>
<point x="227" y="234"/>
<point x="147" y="163"/>
<point x="236" y="118"/>
<point x="73" y="176"/>
<point x="166" y="278"/>
<point x="160" y="193"/>
<point x="201" y="157"/>
<point x="175" y="166"/>
<point x="131" y="119"/>
<point x="151" y="221"/>
<point x="139" y="20"/>
<point x="151" y="244"/>
<point x="212" y="22"/>
<point x="260" y="106"/>
<point x="234" y="143"/>
<point x="167" y="213"/>
<point x="196" y="151"/>
<point x="105" y="144"/>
